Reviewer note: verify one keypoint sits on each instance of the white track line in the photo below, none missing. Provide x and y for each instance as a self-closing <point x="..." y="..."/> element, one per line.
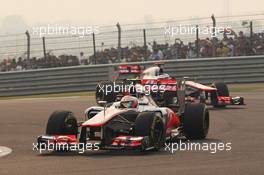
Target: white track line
<point x="4" y="151"/>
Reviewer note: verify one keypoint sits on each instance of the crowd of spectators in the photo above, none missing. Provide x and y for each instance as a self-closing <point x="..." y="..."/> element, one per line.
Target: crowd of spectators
<point x="229" y="45"/>
<point x="38" y="63"/>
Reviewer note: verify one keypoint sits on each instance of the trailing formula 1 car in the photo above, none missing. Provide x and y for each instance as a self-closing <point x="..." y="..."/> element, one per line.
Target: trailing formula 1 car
<point x="110" y="91"/>
<point x="131" y="123"/>
<point x="216" y="94"/>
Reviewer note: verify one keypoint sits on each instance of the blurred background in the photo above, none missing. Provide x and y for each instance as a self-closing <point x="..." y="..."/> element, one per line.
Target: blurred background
<point x="128" y="31"/>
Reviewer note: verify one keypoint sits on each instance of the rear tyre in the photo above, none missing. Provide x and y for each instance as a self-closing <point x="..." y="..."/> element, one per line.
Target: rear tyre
<point x="196" y="121"/>
<point x="105" y="92"/>
<point x="150" y="124"/>
<point x="62" y="123"/>
<point x="222" y="90"/>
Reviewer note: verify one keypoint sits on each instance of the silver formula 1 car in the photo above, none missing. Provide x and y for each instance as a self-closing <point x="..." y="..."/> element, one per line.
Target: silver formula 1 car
<point x="131" y="123"/>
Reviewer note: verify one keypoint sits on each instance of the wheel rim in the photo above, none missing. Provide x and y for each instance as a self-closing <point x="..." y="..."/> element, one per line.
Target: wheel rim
<point x="70" y="123"/>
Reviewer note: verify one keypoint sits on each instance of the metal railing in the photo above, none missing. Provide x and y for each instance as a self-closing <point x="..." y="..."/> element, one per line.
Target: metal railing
<point x="28" y="45"/>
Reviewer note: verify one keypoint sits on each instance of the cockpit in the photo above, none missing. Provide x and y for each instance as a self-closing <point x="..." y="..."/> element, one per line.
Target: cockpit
<point x="140" y="103"/>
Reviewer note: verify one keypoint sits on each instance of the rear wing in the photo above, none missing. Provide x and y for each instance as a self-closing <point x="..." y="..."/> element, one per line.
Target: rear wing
<point x="130" y="69"/>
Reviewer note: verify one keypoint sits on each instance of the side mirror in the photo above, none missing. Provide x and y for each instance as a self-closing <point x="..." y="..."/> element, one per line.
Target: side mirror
<point x="102" y="103"/>
<point x="186" y="78"/>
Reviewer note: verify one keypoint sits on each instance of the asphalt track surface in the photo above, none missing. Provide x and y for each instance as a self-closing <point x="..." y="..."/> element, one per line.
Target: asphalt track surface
<point x="23" y="120"/>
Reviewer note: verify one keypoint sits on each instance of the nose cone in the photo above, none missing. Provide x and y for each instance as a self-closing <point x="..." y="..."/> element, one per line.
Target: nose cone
<point x="104" y="116"/>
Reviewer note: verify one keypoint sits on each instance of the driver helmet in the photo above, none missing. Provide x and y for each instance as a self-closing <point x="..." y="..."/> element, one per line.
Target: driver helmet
<point x="129" y="102"/>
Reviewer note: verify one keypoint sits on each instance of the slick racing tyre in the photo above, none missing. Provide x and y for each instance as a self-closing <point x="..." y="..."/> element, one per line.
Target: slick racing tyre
<point x="222" y="90"/>
<point x="62" y="123"/>
<point x="150" y="124"/>
<point x="196" y="121"/>
<point x="105" y="92"/>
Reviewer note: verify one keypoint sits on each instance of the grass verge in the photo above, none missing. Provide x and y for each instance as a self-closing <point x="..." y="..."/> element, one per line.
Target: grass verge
<point x="246" y="87"/>
<point x="71" y="94"/>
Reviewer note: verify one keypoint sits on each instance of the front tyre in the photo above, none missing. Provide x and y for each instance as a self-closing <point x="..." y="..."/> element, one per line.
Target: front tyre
<point x="150" y="124"/>
<point x="62" y="123"/>
<point x="222" y="90"/>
